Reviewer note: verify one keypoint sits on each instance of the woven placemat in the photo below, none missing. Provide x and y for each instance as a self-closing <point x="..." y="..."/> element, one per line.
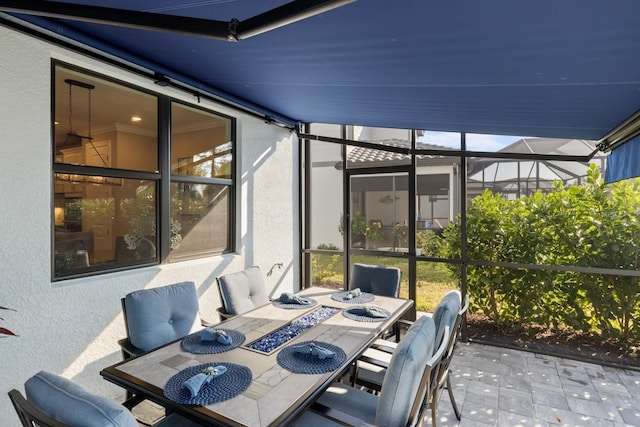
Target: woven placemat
<point x="360" y="299"/>
<point x="302" y="363"/>
<point x="234" y="381"/>
<point x="363" y="318"/>
<point x="295" y="306"/>
<point x="193" y="344"/>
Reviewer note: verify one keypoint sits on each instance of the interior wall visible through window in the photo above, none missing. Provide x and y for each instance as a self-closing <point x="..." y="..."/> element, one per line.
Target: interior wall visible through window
<point x="108" y="174"/>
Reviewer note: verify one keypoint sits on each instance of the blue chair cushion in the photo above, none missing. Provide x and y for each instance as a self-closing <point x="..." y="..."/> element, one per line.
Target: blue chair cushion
<point x="349" y="400"/>
<point x="70" y="404"/>
<point x="378" y="280"/>
<point x="446" y="314"/>
<point x="402" y="380"/>
<point x="243" y="291"/>
<point x="160" y="315"/>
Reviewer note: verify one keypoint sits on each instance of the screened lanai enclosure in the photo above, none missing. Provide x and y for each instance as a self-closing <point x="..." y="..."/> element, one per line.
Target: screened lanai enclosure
<point x="522" y="228"/>
<point x="514" y="177"/>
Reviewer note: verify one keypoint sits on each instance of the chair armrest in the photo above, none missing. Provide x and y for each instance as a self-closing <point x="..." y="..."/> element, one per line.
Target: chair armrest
<point x="129" y="350"/>
<point x="224" y="315"/>
<point x="337" y="415"/>
<point x="132" y="402"/>
<point x="401" y="324"/>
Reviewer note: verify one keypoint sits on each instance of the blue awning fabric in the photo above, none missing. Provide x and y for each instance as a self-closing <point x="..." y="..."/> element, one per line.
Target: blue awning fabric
<point x="548" y="68"/>
<point x="623" y="161"/>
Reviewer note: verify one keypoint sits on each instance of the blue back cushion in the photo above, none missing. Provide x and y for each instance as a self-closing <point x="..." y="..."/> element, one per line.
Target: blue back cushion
<point x="402" y="380"/>
<point x="446" y="314"/>
<point x="379" y="280"/>
<point x="70" y="404"/>
<point x="243" y="291"/>
<point x="160" y="315"/>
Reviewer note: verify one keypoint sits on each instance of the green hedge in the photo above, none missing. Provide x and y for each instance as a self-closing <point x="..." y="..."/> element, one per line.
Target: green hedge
<point x="589" y="225"/>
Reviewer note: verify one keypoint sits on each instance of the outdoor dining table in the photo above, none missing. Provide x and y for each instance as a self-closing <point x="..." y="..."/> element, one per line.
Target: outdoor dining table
<point x="275" y="384"/>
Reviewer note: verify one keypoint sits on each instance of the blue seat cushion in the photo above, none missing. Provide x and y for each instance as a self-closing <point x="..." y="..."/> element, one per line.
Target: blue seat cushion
<point x="70" y="404"/>
<point x="352" y="401"/>
<point x="402" y="381"/>
<point x="160" y="315"/>
<point x="243" y="291"/>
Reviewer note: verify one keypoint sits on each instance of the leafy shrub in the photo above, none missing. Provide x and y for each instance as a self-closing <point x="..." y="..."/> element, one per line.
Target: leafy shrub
<point x="373" y="232"/>
<point x="431" y="244"/>
<point x="358" y="228"/>
<point x="591" y="225"/>
<point x="324" y="268"/>
<point x="327" y="247"/>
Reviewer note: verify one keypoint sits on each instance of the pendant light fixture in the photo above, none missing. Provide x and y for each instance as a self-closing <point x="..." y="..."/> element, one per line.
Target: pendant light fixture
<point x="73" y="139"/>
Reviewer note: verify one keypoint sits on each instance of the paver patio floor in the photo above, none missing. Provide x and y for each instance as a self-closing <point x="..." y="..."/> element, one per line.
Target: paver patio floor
<point x="502" y="387"/>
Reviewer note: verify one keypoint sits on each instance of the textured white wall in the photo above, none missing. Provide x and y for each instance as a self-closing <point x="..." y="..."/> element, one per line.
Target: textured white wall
<point x="71" y="328"/>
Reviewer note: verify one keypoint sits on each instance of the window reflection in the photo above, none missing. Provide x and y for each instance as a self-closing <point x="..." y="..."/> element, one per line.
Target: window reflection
<point x="99" y="223"/>
<point x="199" y="219"/>
<point x="96" y="127"/>
<point x="201" y="143"/>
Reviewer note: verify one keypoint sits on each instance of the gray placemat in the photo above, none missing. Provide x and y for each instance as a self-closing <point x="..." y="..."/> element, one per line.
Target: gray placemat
<point x="295" y="306"/>
<point x="360" y="299"/>
<point x="302" y="363"/>
<point x="234" y="381"/>
<point x="193" y="344"/>
<point x="363" y="318"/>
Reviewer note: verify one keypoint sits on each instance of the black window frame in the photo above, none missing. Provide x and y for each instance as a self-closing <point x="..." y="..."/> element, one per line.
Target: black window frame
<point x="162" y="177"/>
<point x="191" y="179"/>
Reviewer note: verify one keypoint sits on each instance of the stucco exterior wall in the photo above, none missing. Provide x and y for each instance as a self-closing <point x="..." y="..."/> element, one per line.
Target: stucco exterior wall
<point x="72" y="327"/>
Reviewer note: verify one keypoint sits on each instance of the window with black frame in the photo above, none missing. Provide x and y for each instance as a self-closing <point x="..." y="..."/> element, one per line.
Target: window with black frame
<point x="107" y="177"/>
<point x="201" y="182"/>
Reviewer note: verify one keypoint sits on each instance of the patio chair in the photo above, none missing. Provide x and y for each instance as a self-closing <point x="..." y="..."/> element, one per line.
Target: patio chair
<point x="157" y="316"/>
<point x="154" y="317"/>
<point x="376" y="279"/>
<point x="54" y="401"/>
<point x="371" y="368"/>
<point x="444" y="374"/>
<point x="399" y="403"/>
<point x="242" y="291"/>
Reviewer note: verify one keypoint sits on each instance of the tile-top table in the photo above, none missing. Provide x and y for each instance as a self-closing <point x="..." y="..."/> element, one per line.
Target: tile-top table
<point x="275" y="395"/>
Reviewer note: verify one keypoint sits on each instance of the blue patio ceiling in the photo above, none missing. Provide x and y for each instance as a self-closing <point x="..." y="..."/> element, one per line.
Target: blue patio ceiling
<point x="549" y="68"/>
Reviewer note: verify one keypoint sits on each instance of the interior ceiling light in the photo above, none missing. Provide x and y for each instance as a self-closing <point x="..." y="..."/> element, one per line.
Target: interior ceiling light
<point x="136" y="119"/>
<point x="232" y="30"/>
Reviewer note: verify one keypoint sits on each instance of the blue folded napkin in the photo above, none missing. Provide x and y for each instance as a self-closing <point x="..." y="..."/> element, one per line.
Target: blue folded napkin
<point x="213" y="335"/>
<point x="315" y="350"/>
<point x="196" y="382"/>
<point x="289" y="298"/>
<point x="368" y="311"/>
<point x="353" y="293"/>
